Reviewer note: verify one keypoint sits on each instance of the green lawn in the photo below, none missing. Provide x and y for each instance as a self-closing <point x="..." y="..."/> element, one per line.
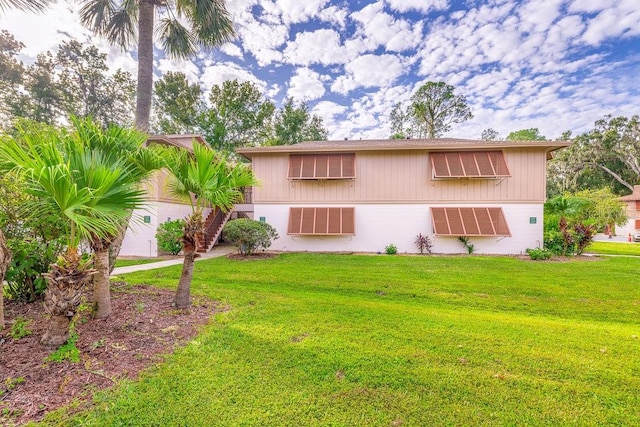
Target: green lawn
<point x="127" y="262"/>
<point x="345" y="340"/>
<point x="614" y="248"/>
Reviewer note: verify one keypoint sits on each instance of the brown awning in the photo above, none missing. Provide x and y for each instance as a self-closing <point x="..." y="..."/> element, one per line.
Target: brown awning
<point x="322" y="166"/>
<point x="469" y="222"/>
<point x="469" y="164"/>
<point x="321" y="221"/>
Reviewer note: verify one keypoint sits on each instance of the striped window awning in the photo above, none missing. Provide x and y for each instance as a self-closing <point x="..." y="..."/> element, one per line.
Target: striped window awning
<point x="469" y="222"/>
<point x="322" y="166"/>
<point x="469" y="164"/>
<point x="321" y="221"/>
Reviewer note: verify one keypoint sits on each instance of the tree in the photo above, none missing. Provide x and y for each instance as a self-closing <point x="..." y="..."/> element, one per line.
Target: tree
<point x="85" y="190"/>
<point x="532" y="134"/>
<point x="185" y="27"/>
<point x="294" y="124"/>
<point x="400" y="122"/>
<point x="88" y="90"/>
<point x="11" y="72"/>
<point x="5" y="260"/>
<point x="120" y="148"/>
<point x="239" y="116"/>
<point x="178" y="105"/>
<point x="201" y="178"/>
<point x="490" y="135"/>
<point x="432" y="110"/>
<point x="608" y="155"/>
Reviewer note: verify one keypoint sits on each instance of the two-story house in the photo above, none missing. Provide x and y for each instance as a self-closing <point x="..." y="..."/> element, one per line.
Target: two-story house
<point x="364" y="195"/>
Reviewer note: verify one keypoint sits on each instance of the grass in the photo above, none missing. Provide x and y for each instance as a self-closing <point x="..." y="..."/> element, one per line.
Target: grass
<point x="137" y="261"/>
<point x="333" y="340"/>
<point x="614" y="248"/>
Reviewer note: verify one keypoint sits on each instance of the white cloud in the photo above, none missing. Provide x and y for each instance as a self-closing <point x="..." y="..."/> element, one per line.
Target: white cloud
<point x="294" y="11"/>
<point x="315" y="47"/>
<point x="378" y="28"/>
<point x="369" y="71"/>
<point x="418" y="5"/>
<point x="306" y="85"/>
<point x="215" y="74"/>
<point x="232" y="49"/>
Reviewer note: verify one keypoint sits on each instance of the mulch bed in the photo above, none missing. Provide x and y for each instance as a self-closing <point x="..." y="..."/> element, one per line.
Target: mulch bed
<point x="142" y="329"/>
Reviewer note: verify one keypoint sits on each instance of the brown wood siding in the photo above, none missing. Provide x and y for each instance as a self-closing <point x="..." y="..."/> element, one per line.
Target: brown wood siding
<point x="402" y="176"/>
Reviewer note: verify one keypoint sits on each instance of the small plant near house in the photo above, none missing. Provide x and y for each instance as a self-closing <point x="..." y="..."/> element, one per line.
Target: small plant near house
<point x="423" y="243"/>
<point x="169" y="234"/>
<point x="467" y="244"/>
<point x="20" y="328"/>
<point x="67" y="351"/>
<point x="249" y="235"/>
<point x="391" y="249"/>
<point x="539" y="254"/>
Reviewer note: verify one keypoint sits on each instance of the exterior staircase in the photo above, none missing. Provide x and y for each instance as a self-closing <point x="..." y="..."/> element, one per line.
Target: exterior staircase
<point x="213" y="225"/>
<point x="216" y="220"/>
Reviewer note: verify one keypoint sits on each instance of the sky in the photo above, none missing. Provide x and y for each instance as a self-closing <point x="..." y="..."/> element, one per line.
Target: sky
<point x="556" y="65"/>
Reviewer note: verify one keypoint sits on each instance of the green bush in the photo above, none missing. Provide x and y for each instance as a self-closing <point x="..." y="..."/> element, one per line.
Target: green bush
<point x="539" y="254"/>
<point x="249" y="235"/>
<point x="169" y="234"/>
<point x="391" y="249"/>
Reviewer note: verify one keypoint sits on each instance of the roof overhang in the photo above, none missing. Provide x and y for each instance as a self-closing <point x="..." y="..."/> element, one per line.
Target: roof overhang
<point x="443" y="144"/>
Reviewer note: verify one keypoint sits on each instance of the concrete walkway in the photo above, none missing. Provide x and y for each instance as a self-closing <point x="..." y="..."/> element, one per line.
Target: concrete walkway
<point x="217" y="251"/>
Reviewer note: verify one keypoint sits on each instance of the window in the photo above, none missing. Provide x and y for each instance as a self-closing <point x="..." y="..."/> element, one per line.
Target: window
<point x="322" y="221"/>
<point x="469" y="222"/>
<point x="322" y="166"/>
<point x="469" y="164"/>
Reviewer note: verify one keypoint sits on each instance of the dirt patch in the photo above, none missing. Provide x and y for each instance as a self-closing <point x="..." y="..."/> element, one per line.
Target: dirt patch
<point x="142" y="329"/>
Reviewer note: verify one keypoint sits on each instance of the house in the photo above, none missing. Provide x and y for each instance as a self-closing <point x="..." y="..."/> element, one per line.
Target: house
<point x="140" y="239"/>
<point x="632" y="202"/>
<point x="364" y="195"/>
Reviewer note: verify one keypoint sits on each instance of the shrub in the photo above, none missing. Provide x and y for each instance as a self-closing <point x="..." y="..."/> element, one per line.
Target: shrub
<point x="467" y="244"/>
<point x="169" y="234"/>
<point x="423" y="243"/>
<point x="20" y="328"/>
<point x="539" y="254"/>
<point x="391" y="249"/>
<point x="249" y="235"/>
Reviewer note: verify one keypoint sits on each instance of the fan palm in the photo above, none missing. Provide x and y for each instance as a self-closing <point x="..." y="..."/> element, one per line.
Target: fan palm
<point x="129" y="22"/>
<point x="116" y="144"/>
<point x="202" y="179"/>
<point x="26" y="5"/>
<point x="89" y="192"/>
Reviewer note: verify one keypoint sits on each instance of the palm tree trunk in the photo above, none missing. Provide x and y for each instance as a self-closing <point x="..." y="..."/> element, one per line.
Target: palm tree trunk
<point x="65" y="283"/>
<point x="5" y="260"/>
<point x="145" y="64"/>
<point x="182" y="299"/>
<point x="101" y="292"/>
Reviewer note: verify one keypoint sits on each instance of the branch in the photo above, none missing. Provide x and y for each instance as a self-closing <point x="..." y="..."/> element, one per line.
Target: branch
<point x="615" y="176"/>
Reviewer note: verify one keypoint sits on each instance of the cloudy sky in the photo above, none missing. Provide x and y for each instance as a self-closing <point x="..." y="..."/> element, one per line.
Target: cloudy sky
<point x="552" y="64"/>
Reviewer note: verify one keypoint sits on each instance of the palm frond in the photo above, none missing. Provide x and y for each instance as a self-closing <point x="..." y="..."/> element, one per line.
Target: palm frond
<point x="114" y="20"/>
<point x="210" y="21"/>
<point x="26" y="5"/>
<point x="176" y="39"/>
<point x="96" y="14"/>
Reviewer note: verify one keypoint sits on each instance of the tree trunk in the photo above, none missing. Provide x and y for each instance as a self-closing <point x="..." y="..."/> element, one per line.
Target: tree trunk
<point x="65" y="283"/>
<point x="101" y="292"/>
<point x="5" y="260"/>
<point x="145" y="64"/>
<point x="57" y="331"/>
<point x="183" y="293"/>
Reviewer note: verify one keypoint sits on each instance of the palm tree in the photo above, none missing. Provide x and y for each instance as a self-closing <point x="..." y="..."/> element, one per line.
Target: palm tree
<point x="202" y="178"/>
<point x="129" y="22"/>
<point x="26" y="5"/>
<point x="116" y="145"/>
<point x="88" y="191"/>
<point x="5" y="260"/>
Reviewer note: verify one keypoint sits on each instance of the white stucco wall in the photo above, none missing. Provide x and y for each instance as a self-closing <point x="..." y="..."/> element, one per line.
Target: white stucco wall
<point x="378" y="225"/>
<point x="140" y="239"/>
